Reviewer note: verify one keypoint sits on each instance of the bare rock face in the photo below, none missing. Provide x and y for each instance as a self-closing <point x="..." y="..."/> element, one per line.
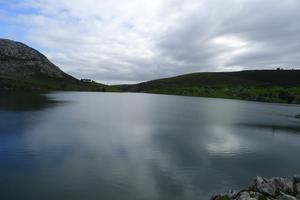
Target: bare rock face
<point x="17" y="60"/>
<point x="284" y="196"/>
<point x="296" y="180"/>
<point x="272" y="186"/>
<point x="249" y="196"/>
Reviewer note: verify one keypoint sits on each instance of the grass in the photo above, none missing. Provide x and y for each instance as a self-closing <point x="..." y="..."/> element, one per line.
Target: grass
<point x="282" y="86"/>
<point x="49" y="84"/>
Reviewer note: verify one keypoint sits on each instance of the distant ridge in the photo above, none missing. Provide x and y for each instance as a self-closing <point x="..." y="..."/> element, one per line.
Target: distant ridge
<point x="259" y="85"/>
<point x="223" y="79"/>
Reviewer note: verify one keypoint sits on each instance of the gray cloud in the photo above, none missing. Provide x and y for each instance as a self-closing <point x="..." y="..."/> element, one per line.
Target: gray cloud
<point x="138" y="40"/>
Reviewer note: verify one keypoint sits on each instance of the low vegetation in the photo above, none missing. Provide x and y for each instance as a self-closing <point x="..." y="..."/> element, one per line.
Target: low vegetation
<point x="282" y="86"/>
<point x="49" y="84"/>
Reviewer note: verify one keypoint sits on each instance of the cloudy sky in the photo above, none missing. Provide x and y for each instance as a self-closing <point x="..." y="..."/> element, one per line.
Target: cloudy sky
<point x="125" y="41"/>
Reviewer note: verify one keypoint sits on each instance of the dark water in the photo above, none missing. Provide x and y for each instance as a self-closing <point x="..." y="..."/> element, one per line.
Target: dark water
<point x="90" y="146"/>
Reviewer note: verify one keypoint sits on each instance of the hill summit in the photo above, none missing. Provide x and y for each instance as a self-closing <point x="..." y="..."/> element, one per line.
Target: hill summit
<point x="17" y="60"/>
<point x="24" y="68"/>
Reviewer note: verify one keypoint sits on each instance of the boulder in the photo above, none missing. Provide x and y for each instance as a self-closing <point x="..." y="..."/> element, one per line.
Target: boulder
<point x="297" y="190"/>
<point x="250" y="195"/>
<point x="245" y="196"/>
<point x="296" y="178"/>
<point x="220" y="197"/>
<point x="272" y="186"/>
<point x="230" y="195"/>
<point x="283" y="196"/>
<point x="266" y="189"/>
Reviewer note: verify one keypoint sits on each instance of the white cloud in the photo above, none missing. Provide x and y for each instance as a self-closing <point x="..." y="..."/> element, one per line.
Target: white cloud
<point x="136" y="40"/>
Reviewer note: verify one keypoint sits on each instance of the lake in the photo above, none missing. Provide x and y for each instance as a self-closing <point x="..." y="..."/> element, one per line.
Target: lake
<point x="113" y="146"/>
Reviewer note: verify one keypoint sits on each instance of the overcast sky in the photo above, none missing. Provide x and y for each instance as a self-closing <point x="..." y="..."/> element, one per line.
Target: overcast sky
<point x="125" y="41"/>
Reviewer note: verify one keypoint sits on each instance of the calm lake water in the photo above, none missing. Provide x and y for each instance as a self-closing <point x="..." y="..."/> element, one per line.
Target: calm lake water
<point x="112" y="146"/>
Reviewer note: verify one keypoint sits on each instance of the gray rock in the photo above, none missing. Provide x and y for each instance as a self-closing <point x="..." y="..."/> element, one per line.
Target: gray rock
<point x="296" y="178"/>
<point x="250" y="196"/>
<point x="244" y="196"/>
<point x="262" y="185"/>
<point x="266" y="189"/>
<point x="285" y="197"/>
<point x="20" y="61"/>
<point x="283" y="184"/>
<point x="272" y="186"/>
<point x="259" y="196"/>
<point x="220" y="197"/>
<point x="232" y="194"/>
<point x="297" y="189"/>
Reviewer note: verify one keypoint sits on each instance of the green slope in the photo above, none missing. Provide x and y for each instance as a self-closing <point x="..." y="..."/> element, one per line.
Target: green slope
<point x="259" y="85"/>
<point x="49" y="84"/>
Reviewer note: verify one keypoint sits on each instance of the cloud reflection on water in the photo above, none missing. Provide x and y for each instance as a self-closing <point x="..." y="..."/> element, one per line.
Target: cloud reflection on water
<point x="223" y="142"/>
<point x="132" y="146"/>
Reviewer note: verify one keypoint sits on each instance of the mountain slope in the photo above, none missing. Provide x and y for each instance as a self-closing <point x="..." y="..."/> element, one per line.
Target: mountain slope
<point x="24" y="68"/>
<point x="19" y="60"/>
<point x="260" y="85"/>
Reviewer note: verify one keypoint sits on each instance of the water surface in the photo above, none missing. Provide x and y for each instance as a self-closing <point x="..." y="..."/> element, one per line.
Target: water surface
<point x="73" y="145"/>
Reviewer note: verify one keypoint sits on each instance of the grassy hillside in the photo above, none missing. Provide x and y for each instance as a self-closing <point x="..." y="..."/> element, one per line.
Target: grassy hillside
<point x="46" y="83"/>
<point x="282" y="86"/>
<point x="258" y="85"/>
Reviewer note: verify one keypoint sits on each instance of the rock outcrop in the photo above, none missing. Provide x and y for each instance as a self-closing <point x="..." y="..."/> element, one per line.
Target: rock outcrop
<point x="266" y="189"/>
<point x="17" y="60"/>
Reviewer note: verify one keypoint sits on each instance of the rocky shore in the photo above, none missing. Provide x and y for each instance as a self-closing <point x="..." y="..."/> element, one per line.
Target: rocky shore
<point x="266" y="189"/>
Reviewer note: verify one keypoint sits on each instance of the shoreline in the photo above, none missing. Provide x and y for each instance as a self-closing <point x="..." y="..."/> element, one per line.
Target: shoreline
<point x="276" y="188"/>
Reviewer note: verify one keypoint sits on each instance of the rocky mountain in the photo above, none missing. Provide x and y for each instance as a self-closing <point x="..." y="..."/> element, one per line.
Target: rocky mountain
<point x="24" y="68"/>
<point x="17" y="60"/>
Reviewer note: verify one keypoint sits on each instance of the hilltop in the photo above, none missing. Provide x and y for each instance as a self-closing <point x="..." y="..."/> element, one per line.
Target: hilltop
<point x="20" y="61"/>
<point x="259" y="85"/>
<point x="24" y="68"/>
